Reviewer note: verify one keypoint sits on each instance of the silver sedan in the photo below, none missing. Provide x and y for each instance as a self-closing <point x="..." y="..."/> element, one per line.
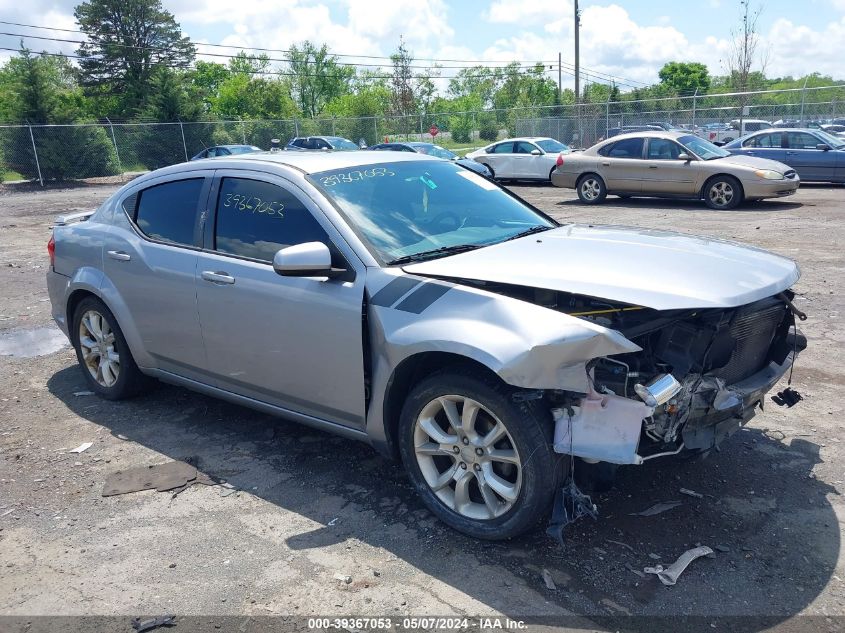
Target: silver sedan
<point x="407" y="302"/>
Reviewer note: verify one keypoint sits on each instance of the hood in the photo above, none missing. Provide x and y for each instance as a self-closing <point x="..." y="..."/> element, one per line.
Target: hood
<point x="752" y="162"/>
<point x="651" y="268"/>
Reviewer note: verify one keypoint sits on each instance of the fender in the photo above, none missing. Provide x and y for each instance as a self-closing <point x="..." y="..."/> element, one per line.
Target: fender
<point x="114" y="301"/>
<point x="526" y="345"/>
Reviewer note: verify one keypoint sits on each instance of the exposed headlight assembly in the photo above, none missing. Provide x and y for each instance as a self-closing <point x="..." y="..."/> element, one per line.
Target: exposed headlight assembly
<point x="768" y="174"/>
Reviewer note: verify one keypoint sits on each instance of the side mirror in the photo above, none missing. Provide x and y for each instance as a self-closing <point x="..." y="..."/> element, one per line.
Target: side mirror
<point x="685" y="157"/>
<point x="536" y="152"/>
<point x="823" y="147"/>
<point x="311" y="259"/>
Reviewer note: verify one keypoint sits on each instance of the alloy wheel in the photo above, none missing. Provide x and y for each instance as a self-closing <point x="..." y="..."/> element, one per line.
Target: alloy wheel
<point x="467" y="457"/>
<point x="721" y="193"/>
<point x="590" y="189"/>
<point x="97" y="343"/>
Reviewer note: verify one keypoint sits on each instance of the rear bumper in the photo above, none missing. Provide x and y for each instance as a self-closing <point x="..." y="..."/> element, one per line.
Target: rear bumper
<point x="58" y="288"/>
<point x="756" y="189"/>
<point x="564" y="179"/>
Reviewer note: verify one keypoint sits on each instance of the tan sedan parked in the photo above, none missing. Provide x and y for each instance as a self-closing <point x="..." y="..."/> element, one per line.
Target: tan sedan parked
<point x="671" y="165"/>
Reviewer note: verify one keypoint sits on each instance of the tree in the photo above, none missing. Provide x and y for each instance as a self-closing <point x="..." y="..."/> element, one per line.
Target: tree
<point x="685" y="77"/>
<point x="127" y="40"/>
<point x="402" y="101"/>
<point x="317" y="77"/>
<point x="744" y="45"/>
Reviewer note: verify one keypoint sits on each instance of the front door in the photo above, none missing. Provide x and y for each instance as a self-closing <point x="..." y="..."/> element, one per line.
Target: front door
<point x="809" y="162"/>
<point x="150" y="259"/>
<point x="290" y="341"/>
<point x="665" y="172"/>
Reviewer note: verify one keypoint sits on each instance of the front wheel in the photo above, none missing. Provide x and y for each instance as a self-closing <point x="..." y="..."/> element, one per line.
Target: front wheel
<point x="723" y="192"/>
<point x="481" y="462"/>
<point x="591" y="189"/>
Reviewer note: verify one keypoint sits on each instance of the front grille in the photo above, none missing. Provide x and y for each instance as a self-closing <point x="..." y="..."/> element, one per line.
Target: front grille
<point x="753" y="329"/>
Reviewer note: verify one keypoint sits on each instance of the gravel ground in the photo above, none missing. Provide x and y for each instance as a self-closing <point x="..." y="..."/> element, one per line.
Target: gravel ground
<point x="311" y="509"/>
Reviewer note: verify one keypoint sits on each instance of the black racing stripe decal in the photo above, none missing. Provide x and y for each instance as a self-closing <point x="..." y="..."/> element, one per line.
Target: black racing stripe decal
<point x="393" y="291"/>
<point x="423" y="297"/>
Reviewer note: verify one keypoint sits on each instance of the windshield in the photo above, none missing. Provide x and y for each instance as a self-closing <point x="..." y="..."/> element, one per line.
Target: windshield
<point x="244" y="149"/>
<point x="341" y="143"/>
<point x="408" y="208"/>
<point x="830" y="139"/>
<point x="433" y="150"/>
<point x="701" y="148"/>
<point x="551" y="146"/>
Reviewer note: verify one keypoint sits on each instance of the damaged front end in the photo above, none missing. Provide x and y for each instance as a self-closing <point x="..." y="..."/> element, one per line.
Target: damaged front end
<point x="699" y="376"/>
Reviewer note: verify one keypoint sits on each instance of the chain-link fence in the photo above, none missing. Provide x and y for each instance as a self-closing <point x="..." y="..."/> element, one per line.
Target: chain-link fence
<point x="70" y="152"/>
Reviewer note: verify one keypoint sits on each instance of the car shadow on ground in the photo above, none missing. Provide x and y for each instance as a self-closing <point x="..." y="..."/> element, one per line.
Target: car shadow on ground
<point x="775" y="534"/>
<point x="687" y="205"/>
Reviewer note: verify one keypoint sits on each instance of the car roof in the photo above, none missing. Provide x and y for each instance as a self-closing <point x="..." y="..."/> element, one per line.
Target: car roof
<point x="313" y="162"/>
<point x="523" y="138"/>
<point x="673" y="134"/>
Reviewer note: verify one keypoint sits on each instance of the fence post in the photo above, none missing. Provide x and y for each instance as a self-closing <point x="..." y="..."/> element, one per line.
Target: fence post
<point x="35" y="152"/>
<point x="113" y="140"/>
<point x="694" y="104"/>
<point x="607" y="116"/>
<point x="375" y="129"/>
<point x="295" y="127"/>
<point x="333" y="120"/>
<point x="184" y="144"/>
<point x="243" y="130"/>
<point x="803" y="96"/>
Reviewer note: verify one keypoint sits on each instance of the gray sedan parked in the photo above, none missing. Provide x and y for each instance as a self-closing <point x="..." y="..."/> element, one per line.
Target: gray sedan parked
<point x="814" y="154"/>
<point x="407" y="302"/>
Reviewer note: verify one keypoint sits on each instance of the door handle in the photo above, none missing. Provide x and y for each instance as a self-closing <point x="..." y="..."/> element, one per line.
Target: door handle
<point x="120" y="256"/>
<point x="217" y="278"/>
<point x="652" y="166"/>
<point x="791" y="153"/>
<point x="605" y="164"/>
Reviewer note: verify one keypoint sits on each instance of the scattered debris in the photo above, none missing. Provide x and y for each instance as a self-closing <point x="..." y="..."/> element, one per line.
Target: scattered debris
<point x="83" y="393"/>
<point x="547" y="578"/>
<point x="82" y="447"/>
<point x="657" y="508"/>
<point x="621" y="544"/>
<point x="600" y="551"/>
<point x="170" y="476"/>
<point x="669" y="576"/>
<point x="788" y="397"/>
<point x="9" y="511"/>
<point x="346" y="580"/>
<point x="636" y="572"/>
<point x="654" y="556"/>
<point x="228" y="489"/>
<point x="722" y="548"/>
<point x="691" y="493"/>
<point x="570" y="505"/>
<point x="613" y="606"/>
<point x="153" y="623"/>
<point x="333" y="521"/>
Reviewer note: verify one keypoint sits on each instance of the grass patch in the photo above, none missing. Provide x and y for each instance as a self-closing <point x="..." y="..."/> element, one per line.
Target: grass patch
<point x="8" y="176"/>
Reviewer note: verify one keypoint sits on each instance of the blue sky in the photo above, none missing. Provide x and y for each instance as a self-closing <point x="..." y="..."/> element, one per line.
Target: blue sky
<point x="625" y="39"/>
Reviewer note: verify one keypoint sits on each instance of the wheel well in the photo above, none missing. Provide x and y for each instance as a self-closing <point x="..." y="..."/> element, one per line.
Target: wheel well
<point x="74" y="300"/>
<point x="589" y="173"/>
<point x="714" y="176"/>
<point x="410" y="372"/>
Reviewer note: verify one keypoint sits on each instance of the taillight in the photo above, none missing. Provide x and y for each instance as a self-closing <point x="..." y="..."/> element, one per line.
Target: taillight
<point x="51" y="250"/>
<point x="559" y="160"/>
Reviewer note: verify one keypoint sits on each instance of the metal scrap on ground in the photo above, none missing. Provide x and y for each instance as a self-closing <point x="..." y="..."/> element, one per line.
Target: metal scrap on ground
<point x="657" y="508"/>
<point x="669" y="576"/>
<point x="691" y="493"/>
<point x="82" y="447"/>
<point x="175" y="476"/>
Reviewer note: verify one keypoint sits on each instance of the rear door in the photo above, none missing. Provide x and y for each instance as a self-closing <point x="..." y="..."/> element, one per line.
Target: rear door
<point x="621" y="165"/>
<point x="809" y="162"/>
<point x="293" y="342"/>
<point x="150" y="257"/>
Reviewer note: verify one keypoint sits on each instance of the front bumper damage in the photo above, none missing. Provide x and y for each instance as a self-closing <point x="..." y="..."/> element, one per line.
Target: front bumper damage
<point x="608" y="428"/>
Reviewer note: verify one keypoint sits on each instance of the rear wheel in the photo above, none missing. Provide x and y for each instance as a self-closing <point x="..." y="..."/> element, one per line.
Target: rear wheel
<point x="591" y="189"/>
<point x="723" y="192"/>
<point x="481" y="462"/>
<point x="102" y="353"/>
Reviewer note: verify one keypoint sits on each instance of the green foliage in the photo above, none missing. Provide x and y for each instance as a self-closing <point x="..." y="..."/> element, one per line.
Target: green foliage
<point x="317" y="77"/>
<point x="244" y="97"/>
<point x="461" y="128"/>
<point x="685" y="77"/>
<point x="488" y="128"/>
<point x="126" y="41"/>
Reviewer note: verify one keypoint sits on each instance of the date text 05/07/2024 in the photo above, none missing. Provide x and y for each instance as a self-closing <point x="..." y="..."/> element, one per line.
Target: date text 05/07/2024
<point x="414" y="623"/>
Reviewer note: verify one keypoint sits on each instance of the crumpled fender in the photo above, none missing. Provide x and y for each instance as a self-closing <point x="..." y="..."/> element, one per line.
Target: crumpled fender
<point x="526" y="345"/>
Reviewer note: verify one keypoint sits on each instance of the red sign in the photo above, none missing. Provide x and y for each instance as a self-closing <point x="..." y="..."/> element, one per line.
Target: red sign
<point x="433" y="130"/>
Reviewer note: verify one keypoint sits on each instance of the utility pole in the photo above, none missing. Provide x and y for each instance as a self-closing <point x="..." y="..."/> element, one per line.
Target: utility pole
<point x="577" y="55"/>
<point x="559" y="75"/>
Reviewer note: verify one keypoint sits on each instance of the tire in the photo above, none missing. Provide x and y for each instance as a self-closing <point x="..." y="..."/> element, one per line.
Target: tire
<point x="728" y="140"/>
<point x="528" y="483"/>
<point x="591" y="189"/>
<point x="722" y="192"/>
<point x="118" y="377"/>
<point x="551" y="171"/>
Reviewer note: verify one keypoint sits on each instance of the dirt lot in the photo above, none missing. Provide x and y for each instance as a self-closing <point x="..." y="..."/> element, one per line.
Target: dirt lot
<point x="311" y="508"/>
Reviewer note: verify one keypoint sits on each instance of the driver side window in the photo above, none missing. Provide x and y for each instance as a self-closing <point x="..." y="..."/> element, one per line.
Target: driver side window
<point x="521" y="147"/>
<point x="663" y="149"/>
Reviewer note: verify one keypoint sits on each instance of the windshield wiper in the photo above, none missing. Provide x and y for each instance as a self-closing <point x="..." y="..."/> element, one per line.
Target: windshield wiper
<point x="434" y="253"/>
<point x="534" y="229"/>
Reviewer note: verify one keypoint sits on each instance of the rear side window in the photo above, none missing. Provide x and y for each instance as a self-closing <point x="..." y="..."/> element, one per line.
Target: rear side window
<point x="255" y="219"/>
<point x="626" y="148"/>
<point x="168" y="212"/>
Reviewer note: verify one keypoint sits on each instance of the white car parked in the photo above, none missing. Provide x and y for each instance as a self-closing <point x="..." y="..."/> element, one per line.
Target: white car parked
<point x="528" y="158"/>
